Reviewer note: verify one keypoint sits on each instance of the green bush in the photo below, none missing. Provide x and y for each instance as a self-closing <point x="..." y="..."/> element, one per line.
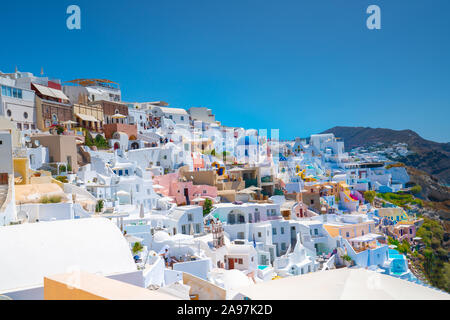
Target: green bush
<point x="370" y="196"/>
<point x="137" y="247"/>
<point x="63" y="179"/>
<point x="62" y="168"/>
<point x="346" y="257"/>
<point x="99" y="206"/>
<point x="207" y="206"/>
<point x="416" y="189"/>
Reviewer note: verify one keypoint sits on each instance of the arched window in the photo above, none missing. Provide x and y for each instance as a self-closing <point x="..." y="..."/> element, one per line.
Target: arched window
<point x="8" y="113"/>
<point x="25" y="115"/>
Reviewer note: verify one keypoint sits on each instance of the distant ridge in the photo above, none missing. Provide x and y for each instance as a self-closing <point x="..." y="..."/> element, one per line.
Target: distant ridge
<point x="429" y="156"/>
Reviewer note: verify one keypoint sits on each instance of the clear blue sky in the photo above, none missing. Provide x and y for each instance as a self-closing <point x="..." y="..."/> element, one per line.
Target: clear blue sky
<point x="300" y="66"/>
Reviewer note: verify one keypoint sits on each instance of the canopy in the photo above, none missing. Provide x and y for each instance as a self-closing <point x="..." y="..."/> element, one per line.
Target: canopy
<point x="50" y="92"/>
<point x="86" y="117"/>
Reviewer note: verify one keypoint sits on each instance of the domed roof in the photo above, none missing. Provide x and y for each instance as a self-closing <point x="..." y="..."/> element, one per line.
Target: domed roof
<point x="161" y="236"/>
<point x="247" y="141"/>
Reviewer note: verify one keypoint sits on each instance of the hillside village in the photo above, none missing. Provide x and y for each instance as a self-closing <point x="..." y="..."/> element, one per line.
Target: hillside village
<point x="169" y="203"/>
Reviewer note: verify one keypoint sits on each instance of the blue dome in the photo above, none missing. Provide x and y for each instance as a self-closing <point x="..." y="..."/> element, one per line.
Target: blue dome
<point x="247" y="141"/>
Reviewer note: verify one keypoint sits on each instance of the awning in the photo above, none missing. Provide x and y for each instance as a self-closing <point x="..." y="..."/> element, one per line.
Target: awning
<point x="86" y="117"/>
<point x="50" y="92"/>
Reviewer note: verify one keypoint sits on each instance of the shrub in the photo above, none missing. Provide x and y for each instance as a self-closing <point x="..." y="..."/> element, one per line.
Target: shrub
<point x="99" y="206"/>
<point x="416" y="189"/>
<point x="51" y="199"/>
<point x="369" y="196"/>
<point x="137" y="247"/>
<point x="63" y="179"/>
<point x="101" y="142"/>
<point x="346" y="257"/>
<point x="207" y="206"/>
<point x="62" y="168"/>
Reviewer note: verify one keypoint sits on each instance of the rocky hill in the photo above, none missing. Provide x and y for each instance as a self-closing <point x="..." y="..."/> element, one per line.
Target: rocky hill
<point x="429" y="156"/>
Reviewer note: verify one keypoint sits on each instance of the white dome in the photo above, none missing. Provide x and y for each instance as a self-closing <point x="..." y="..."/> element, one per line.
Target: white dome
<point x="161" y="236"/>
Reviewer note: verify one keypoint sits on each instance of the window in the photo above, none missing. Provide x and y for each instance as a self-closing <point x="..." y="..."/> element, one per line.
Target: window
<point x="137" y="188"/>
<point x="54" y="118"/>
<point x="197" y="228"/>
<point x="189" y="216"/>
<point x="274" y="231"/>
<point x="283" y="246"/>
<point x="182" y="118"/>
<point x="25" y="115"/>
<point x="316" y="231"/>
<point x="8" y="113"/>
<point x="347" y="234"/>
<point x="282" y="230"/>
<point x="240" y="261"/>
<point x="259" y="234"/>
<point x="183" y="229"/>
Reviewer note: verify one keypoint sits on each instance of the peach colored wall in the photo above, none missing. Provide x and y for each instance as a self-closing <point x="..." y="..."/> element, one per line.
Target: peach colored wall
<point x="354" y="230"/>
<point x="175" y="188"/>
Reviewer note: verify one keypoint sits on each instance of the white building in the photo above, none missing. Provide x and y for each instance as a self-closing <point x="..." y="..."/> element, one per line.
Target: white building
<point x="17" y="104"/>
<point x="177" y="115"/>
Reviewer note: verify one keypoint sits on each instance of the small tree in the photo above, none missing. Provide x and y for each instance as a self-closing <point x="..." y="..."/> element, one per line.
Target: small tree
<point x="416" y="189"/>
<point x="369" y="196"/>
<point x="207" y="206"/>
<point x="137" y="247"/>
<point x="99" y="206"/>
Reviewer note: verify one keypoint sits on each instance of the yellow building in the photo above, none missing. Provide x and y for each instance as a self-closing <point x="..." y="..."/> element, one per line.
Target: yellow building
<point x="88" y="116"/>
<point x="349" y="231"/>
<point x="394" y="214"/>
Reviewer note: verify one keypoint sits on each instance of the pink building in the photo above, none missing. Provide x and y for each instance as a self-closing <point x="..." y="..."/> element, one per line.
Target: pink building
<point x="184" y="192"/>
<point x="404" y="231"/>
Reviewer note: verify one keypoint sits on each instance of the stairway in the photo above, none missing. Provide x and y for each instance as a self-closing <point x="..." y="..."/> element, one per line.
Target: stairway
<point x="3" y="193"/>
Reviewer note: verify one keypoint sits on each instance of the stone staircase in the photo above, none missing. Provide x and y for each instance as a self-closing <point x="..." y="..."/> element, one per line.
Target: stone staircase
<point x="3" y="193"/>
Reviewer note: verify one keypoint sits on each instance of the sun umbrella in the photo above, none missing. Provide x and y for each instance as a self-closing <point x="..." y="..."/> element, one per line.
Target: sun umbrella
<point x="118" y="116"/>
